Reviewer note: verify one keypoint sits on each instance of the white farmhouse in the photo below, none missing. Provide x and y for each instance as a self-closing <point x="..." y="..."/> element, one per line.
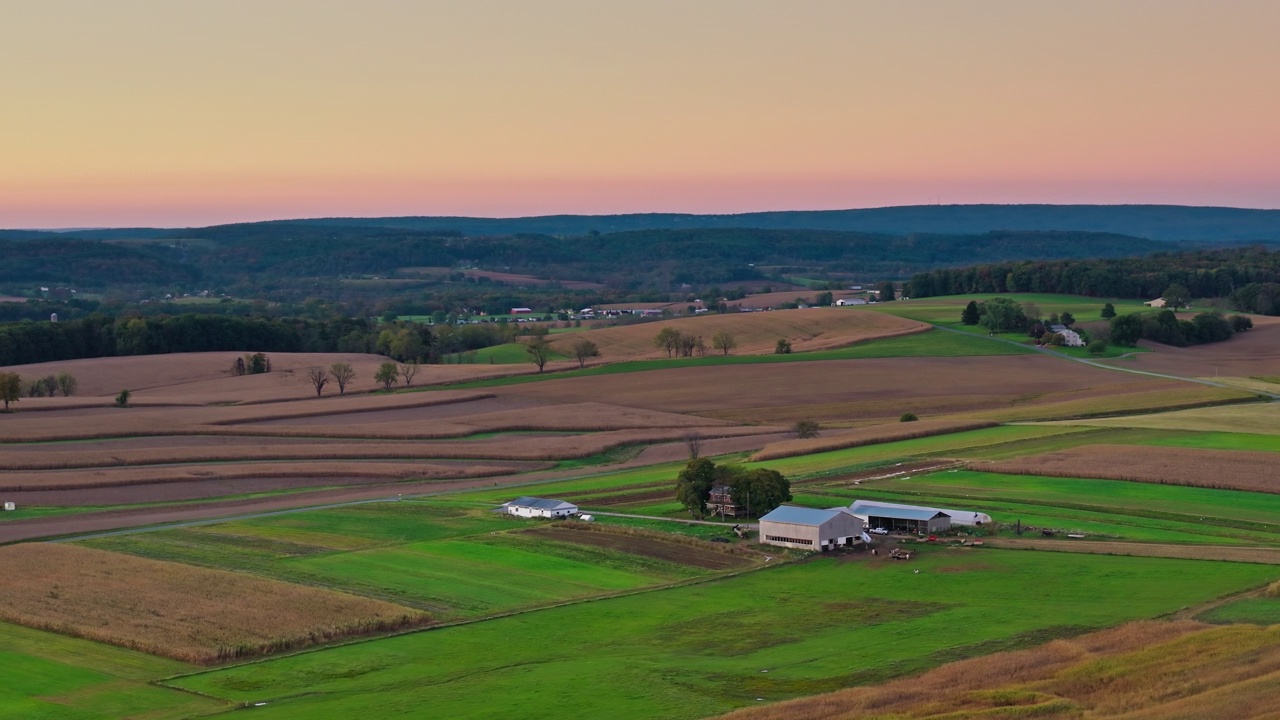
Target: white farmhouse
<point x="532" y="507"/>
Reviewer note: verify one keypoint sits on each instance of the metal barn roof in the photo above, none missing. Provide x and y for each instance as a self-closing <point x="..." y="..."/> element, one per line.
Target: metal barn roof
<point x="541" y="504"/>
<point x="795" y="515"/>
<point x="897" y="512"/>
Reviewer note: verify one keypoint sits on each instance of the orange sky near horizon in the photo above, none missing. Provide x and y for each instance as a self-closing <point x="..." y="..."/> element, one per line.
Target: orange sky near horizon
<point x="142" y="112"/>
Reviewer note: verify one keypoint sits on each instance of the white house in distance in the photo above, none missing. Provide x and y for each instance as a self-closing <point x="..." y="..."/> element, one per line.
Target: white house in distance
<point x="532" y="507"/>
<point x="1070" y="337"/>
<point x="810" y="528"/>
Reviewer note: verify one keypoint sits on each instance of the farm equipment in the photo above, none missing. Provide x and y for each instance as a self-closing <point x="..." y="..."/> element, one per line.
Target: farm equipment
<point x="900" y="554"/>
<point x="740" y="531"/>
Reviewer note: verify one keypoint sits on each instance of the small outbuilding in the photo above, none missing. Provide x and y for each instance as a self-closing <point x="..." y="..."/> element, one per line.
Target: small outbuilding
<point x="532" y="507"/>
<point x="810" y="528"/>
<point x="901" y="518"/>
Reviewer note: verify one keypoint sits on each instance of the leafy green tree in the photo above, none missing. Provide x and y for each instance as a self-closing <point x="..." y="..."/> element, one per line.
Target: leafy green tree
<point x="1108" y="311"/>
<point x="824" y="299"/>
<point x="806" y="429"/>
<point x="760" y="490"/>
<point x="1240" y="323"/>
<point x="668" y="338"/>
<point x="388" y="373"/>
<point x="584" y="349"/>
<point x="886" y="291"/>
<point x="971" y="315"/>
<point x="1067" y="319"/>
<point x="122" y="400"/>
<point x="1002" y="315"/>
<point x="693" y="486"/>
<point x="724" y="341"/>
<point x="1211" y="327"/>
<point x="1098" y="347"/>
<point x="1126" y="330"/>
<point x="10" y="388"/>
<point x="1176" y="296"/>
<point x="782" y="347"/>
<point x="67" y="384"/>
<point x="342" y="374"/>
<point x="908" y="417"/>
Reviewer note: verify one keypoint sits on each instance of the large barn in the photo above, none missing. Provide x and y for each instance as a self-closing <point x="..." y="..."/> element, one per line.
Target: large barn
<point x="901" y="518"/>
<point x="532" y="507"/>
<point x="810" y="528"/>
<point x="958" y="517"/>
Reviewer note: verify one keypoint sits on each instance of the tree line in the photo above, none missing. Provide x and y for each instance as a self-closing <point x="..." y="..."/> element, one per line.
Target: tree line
<point x="1249" y="278"/>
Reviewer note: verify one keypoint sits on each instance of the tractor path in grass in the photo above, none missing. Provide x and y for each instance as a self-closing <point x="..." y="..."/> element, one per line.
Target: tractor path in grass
<point x="1228" y="553"/>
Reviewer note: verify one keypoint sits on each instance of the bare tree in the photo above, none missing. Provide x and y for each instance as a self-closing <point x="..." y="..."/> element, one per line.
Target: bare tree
<point x="409" y="371"/>
<point x="342" y="374"/>
<point x="583" y="349"/>
<point x="539" y="350"/>
<point x="693" y="440"/>
<point x="67" y="383"/>
<point x="319" y="378"/>
<point x="724" y="341"/>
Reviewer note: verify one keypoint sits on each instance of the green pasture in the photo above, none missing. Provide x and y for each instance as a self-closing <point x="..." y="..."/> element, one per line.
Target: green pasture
<point x="1251" y="610"/>
<point x="931" y="343"/>
<point x="704" y="649"/>
<point x="52" y="677"/>
<point x="945" y="310"/>
<point x="454" y="561"/>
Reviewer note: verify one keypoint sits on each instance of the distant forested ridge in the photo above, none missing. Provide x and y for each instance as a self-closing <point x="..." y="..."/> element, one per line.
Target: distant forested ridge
<point x="1248" y="277"/>
<point x="1155" y="222"/>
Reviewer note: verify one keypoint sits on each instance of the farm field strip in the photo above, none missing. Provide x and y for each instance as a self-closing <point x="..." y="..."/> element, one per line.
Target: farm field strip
<point x="1252" y="418"/>
<point x="1223" y="506"/>
<point x="52" y="677"/>
<point x="1136" y="671"/>
<point x="1250" y="470"/>
<point x="187" y="613"/>
<point x="449" y="559"/>
<point x="708" y="656"/>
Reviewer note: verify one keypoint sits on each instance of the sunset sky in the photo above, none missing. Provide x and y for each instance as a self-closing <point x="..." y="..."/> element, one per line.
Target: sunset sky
<point x="191" y="112"/>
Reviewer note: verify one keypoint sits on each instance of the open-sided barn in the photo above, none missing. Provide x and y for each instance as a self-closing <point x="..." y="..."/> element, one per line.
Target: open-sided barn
<point x="901" y="518"/>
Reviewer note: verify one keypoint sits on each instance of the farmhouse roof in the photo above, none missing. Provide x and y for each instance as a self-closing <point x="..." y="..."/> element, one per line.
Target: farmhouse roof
<point x="795" y="515"/>
<point x="891" y="510"/>
<point x="540" y="503"/>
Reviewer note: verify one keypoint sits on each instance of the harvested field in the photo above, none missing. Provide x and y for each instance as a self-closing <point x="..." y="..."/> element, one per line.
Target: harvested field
<point x="179" y="611"/>
<point x="335" y="471"/>
<point x="447" y="411"/>
<point x="1254" y="418"/>
<point x="1221" y="469"/>
<point x="1126" y="400"/>
<point x="755" y="333"/>
<point x="1139" y="671"/>
<point x="660" y="546"/>
<point x="865" y="436"/>
<point x="532" y="281"/>
<point x="850" y="389"/>
<point x="1254" y="352"/>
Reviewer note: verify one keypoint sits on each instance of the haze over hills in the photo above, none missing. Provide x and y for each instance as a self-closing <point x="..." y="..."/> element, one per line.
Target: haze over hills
<point x="1155" y="222"/>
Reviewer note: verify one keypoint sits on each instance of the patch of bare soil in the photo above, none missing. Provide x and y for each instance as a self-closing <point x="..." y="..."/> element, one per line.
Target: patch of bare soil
<point x="647" y="547"/>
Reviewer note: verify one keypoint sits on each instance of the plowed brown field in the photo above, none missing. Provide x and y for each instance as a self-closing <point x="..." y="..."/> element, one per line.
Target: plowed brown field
<point x="848" y="389"/>
<point x="1229" y="469"/>
<point x="179" y="611"/>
